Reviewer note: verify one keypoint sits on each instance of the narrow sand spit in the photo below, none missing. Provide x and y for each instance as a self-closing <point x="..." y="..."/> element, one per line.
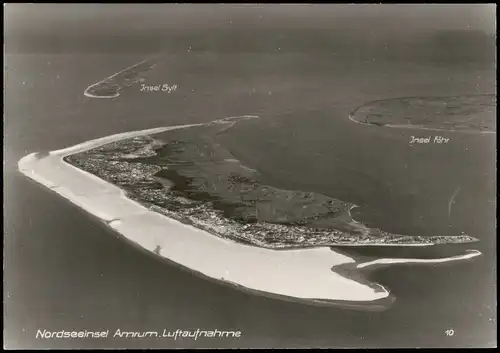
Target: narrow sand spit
<point x="298" y="274"/>
<point x="470" y="254"/>
<point x="87" y="92"/>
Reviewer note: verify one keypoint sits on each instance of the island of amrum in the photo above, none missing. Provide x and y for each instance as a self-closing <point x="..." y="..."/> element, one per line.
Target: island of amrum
<point x="177" y="193"/>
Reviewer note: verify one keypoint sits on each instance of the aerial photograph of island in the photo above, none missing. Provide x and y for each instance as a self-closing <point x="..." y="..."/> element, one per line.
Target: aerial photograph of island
<point x="249" y="176"/>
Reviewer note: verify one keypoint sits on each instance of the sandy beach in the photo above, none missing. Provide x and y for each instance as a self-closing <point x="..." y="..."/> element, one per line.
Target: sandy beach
<point x="303" y="273"/>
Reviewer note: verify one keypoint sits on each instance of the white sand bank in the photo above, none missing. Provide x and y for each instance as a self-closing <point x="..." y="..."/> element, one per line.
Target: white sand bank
<point x="304" y="274"/>
<point x="470" y="254"/>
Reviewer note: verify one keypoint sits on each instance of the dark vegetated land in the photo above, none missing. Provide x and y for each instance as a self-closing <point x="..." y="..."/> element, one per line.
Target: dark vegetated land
<point x="470" y="113"/>
<point x="212" y="189"/>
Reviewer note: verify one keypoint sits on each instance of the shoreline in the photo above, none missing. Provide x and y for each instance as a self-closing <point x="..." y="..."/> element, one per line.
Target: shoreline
<point x="146" y="229"/>
<point x="417" y="127"/>
<point x="90" y="95"/>
<point x="420" y="127"/>
<point x="387" y="261"/>
<point x="311" y="267"/>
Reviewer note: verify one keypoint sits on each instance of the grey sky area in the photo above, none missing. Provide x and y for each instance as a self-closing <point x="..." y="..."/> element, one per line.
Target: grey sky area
<point x="154" y="27"/>
<point x="406" y="18"/>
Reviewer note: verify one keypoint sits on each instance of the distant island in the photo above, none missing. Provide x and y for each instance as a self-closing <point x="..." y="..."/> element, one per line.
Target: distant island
<point x="111" y="86"/>
<point x="466" y="113"/>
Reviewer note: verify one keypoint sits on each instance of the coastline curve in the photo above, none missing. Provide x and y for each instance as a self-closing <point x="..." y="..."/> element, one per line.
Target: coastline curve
<point x="189" y="247"/>
<point x="451" y="107"/>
